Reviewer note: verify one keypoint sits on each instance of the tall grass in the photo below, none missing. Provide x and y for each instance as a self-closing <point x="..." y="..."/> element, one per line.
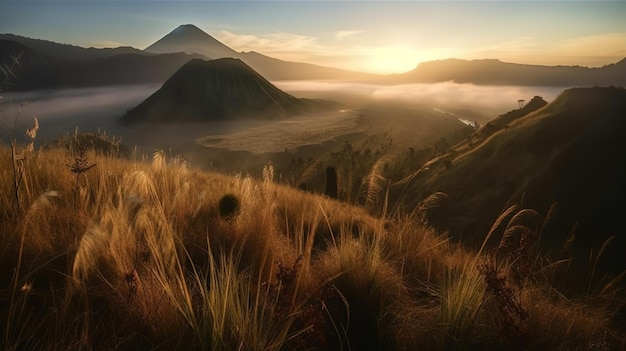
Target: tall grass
<point x="143" y="255"/>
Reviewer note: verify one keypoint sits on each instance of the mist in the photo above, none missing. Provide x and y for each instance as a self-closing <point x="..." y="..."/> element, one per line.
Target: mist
<point x="469" y="101"/>
<point x="61" y="111"/>
<point x="91" y="109"/>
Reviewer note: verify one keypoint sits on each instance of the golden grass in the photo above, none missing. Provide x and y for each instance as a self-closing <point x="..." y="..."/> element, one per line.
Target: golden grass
<point x="142" y="259"/>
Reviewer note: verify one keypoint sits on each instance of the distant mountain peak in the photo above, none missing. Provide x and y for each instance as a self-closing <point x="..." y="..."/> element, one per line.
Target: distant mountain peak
<point x="188" y="30"/>
<point x="192" y="40"/>
<point x="188" y="26"/>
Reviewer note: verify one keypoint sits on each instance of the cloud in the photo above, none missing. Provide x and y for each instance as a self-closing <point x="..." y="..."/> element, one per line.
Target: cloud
<point x="344" y="34"/>
<point x="601" y="45"/>
<point x="268" y="43"/>
<point x="303" y="48"/>
<point x="515" y="45"/>
<point x="295" y="47"/>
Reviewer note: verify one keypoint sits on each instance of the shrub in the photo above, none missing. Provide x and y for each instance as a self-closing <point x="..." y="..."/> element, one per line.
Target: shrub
<point x="229" y="206"/>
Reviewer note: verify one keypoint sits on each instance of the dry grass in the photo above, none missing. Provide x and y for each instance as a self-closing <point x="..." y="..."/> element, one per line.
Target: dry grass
<point x="137" y="256"/>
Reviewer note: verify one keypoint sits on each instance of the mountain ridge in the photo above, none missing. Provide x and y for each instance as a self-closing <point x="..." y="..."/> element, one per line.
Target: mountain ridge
<point x="39" y="70"/>
<point x="189" y="38"/>
<point x="497" y="72"/>
<point x="77" y="60"/>
<point x="68" y="51"/>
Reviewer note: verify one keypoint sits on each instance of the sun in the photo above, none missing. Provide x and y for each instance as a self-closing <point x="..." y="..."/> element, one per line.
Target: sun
<point x="390" y="59"/>
<point x="401" y="58"/>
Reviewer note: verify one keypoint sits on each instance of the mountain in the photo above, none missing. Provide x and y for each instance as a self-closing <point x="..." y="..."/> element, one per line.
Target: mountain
<point x="275" y="69"/>
<point x="66" y="51"/>
<point x="496" y="72"/>
<point x="53" y="65"/>
<point x="32" y="69"/>
<point x="190" y="39"/>
<point x="20" y="66"/>
<point x="216" y="90"/>
<point x="571" y="152"/>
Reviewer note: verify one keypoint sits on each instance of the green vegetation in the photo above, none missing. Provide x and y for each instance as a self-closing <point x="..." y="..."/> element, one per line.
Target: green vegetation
<point x="155" y="255"/>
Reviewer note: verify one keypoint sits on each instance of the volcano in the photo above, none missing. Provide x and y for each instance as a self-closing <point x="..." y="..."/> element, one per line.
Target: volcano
<point x="190" y="39"/>
<point x="216" y="90"/>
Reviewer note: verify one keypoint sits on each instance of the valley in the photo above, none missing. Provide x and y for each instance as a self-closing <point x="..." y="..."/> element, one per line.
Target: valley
<point x="201" y="194"/>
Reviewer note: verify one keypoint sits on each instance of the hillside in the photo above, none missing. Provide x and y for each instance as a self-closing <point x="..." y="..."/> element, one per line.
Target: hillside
<point x="47" y="69"/>
<point x="67" y="51"/>
<point x="496" y="72"/>
<point x="570" y="152"/>
<point x="275" y="69"/>
<point x="216" y="90"/>
<point x="23" y="67"/>
<point x="99" y="252"/>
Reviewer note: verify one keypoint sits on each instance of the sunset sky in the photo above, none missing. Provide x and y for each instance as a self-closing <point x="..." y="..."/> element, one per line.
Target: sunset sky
<point x="374" y="36"/>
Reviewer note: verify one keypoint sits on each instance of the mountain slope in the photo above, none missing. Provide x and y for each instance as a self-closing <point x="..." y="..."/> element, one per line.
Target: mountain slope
<point x="275" y="69"/>
<point x="215" y="90"/>
<point x="22" y="66"/>
<point x="190" y="39"/>
<point x="66" y="51"/>
<point x="31" y="69"/>
<point x="570" y="152"/>
<point x="496" y="72"/>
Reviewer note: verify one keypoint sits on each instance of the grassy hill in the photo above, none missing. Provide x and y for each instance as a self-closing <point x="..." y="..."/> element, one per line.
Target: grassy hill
<point x="569" y="152"/>
<point x="98" y="252"/>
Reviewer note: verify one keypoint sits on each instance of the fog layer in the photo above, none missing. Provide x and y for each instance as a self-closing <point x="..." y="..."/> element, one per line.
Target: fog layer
<point x="61" y="111"/>
<point x="469" y="101"/>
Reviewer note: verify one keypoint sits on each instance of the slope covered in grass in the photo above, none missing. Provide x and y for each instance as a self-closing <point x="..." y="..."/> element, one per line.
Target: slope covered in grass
<point x="102" y="253"/>
<point x="570" y="152"/>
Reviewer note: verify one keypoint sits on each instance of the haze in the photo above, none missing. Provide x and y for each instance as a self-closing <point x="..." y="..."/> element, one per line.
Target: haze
<point x="380" y="37"/>
<point x="90" y="109"/>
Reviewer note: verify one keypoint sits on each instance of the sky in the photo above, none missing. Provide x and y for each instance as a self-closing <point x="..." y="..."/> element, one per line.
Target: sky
<point x="372" y="36"/>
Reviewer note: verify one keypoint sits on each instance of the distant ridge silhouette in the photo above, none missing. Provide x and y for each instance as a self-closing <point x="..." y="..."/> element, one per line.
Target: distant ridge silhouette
<point x="65" y="66"/>
<point x="496" y="72"/>
<point x="74" y="66"/>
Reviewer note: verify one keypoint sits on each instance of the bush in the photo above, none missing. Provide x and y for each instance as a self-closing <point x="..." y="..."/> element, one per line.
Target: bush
<point x="229" y="206"/>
